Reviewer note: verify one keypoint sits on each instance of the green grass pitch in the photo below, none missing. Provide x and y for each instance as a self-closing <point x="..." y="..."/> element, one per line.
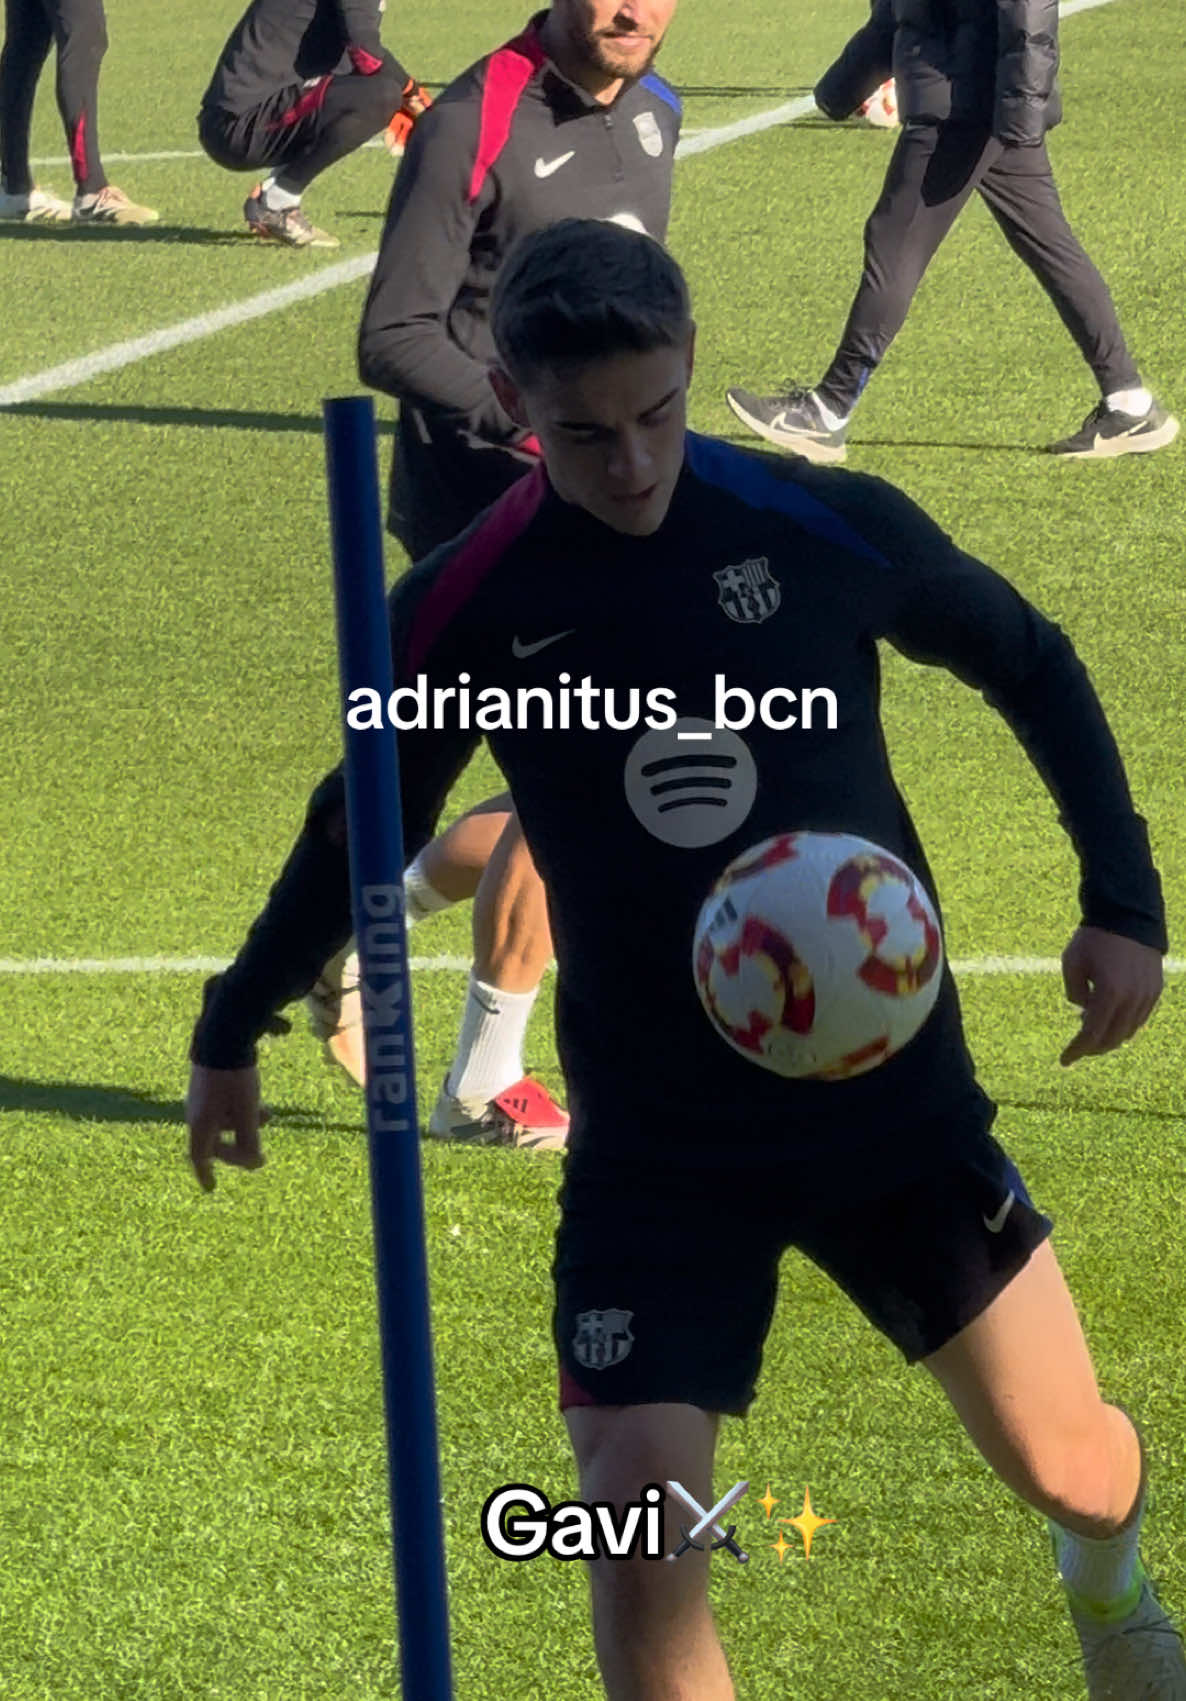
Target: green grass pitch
<point x="192" y="1486"/>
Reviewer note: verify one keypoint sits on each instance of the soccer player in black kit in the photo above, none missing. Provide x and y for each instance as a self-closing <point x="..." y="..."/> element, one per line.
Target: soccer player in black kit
<point x="613" y="551"/>
<point x="299" y="85"/>
<point x="77" y="29"/>
<point x="566" y="118"/>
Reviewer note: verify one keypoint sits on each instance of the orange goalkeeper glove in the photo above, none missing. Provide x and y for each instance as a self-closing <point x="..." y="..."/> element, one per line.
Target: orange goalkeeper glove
<point x="416" y="99"/>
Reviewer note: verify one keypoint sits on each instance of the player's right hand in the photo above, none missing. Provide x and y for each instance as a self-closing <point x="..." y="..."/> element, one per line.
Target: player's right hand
<point x="221" y="1102"/>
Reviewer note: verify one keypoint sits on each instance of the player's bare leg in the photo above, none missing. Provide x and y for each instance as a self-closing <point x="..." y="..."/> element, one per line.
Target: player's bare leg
<point x="512" y="939"/>
<point x="653" y="1631"/>
<point x="452" y="865"/>
<point x="486" y="1096"/>
<point x="1021" y="1379"/>
<point x="447" y="871"/>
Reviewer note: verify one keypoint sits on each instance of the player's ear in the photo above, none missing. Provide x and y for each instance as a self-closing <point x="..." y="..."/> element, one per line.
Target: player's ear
<point x="509" y="395"/>
<point x="691" y="350"/>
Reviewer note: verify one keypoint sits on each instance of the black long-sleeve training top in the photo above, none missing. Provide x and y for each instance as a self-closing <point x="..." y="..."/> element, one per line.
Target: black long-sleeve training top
<point x="509" y="147"/>
<point x="280" y="42"/>
<point x="770" y="572"/>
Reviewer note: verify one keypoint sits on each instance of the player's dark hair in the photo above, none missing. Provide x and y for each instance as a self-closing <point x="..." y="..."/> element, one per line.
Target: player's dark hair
<point x="583" y="290"/>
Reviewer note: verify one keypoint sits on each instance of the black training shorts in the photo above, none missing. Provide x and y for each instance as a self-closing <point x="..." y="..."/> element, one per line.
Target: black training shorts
<point x="666" y="1280"/>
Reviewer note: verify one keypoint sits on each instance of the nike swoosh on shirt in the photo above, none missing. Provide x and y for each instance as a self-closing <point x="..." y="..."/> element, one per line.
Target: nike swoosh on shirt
<point x="545" y="168"/>
<point x="521" y="651"/>
<point x="994" y="1225"/>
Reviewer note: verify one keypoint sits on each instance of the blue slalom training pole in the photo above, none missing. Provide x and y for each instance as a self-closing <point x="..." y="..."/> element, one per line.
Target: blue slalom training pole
<point x="397" y="1201"/>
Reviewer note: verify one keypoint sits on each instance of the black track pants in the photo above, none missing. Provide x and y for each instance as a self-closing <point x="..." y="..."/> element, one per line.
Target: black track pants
<point x="299" y="132"/>
<point x="79" y="31"/>
<point x="932" y="174"/>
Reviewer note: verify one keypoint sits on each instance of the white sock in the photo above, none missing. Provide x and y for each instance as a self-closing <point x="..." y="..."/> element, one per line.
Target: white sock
<point x="490" y="1050"/>
<point x="277" y="199"/>
<point x="1130" y="401"/>
<point x="421" y="897"/>
<point x="1102" y="1570"/>
<point x="833" y="421"/>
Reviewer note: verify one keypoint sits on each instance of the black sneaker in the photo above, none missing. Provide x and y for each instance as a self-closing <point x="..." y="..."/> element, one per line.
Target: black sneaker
<point x="791" y="421"/>
<point x="291" y="226"/>
<point x="1107" y="432"/>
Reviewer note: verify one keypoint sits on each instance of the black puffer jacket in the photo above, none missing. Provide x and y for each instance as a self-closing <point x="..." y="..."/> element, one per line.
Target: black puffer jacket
<point x="992" y="62"/>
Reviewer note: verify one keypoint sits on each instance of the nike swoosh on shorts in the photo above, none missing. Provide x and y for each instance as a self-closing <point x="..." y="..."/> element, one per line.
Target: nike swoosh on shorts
<point x="994" y="1225"/>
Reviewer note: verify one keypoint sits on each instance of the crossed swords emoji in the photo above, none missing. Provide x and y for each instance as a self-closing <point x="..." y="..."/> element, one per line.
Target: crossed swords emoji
<point x="708" y="1521"/>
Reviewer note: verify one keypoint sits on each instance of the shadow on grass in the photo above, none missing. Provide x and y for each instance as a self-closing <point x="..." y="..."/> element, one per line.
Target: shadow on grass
<point x="969" y="448"/>
<point x="80" y="1101"/>
<point x="181" y="235"/>
<point x="1093" y="1107"/>
<point x="222" y="419"/>
<point x="750" y="440"/>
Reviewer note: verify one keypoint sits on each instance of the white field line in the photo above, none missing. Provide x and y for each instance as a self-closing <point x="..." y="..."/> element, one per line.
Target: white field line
<point x="52" y="160"/>
<point x="447" y="965"/>
<point x="76" y="372"/>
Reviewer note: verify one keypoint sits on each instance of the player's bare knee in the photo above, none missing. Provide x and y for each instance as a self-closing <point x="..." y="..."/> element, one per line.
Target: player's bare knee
<point x="1086" y="1488"/>
<point x="621" y="1450"/>
<point x="1069" y="1475"/>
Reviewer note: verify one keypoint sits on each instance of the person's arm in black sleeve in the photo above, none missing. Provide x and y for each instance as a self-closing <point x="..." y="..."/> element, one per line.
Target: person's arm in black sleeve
<point x="865" y="63"/>
<point x="404" y="346"/>
<point x="307" y="918"/>
<point x="360" y="28"/>
<point x="946" y="608"/>
<point x="1027" y="64"/>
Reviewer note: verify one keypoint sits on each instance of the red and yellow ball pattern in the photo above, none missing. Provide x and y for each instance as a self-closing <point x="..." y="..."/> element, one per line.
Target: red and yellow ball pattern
<point x="818" y="955"/>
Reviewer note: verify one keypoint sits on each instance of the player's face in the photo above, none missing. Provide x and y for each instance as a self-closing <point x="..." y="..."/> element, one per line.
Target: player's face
<point x="618" y="38"/>
<point x="612" y="434"/>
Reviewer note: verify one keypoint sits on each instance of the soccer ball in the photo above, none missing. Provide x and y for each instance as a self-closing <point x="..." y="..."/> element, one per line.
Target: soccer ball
<point x="817" y="955"/>
<point x="881" y="108"/>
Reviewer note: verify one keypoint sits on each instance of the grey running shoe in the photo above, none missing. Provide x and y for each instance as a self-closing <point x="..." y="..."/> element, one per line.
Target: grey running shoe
<point x="290" y="225"/>
<point x="791" y="421"/>
<point x="1136" y="1658"/>
<point x="524" y="1115"/>
<point x="1106" y="432"/>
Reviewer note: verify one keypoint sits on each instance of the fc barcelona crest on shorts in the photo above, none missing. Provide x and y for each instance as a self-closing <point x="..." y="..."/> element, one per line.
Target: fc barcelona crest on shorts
<point x="602" y="1339"/>
<point x="748" y="593"/>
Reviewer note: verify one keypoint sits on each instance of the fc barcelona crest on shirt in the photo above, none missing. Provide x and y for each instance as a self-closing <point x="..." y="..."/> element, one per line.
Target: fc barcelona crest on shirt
<point x="649" y="134"/>
<point x="748" y="593"/>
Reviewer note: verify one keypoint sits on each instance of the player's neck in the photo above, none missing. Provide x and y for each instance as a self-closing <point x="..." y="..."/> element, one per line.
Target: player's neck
<point x="574" y="68"/>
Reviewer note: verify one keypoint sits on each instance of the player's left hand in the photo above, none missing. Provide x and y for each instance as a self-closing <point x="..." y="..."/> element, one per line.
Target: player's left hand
<point x="1116" y="982"/>
<point x="221" y="1101"/>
